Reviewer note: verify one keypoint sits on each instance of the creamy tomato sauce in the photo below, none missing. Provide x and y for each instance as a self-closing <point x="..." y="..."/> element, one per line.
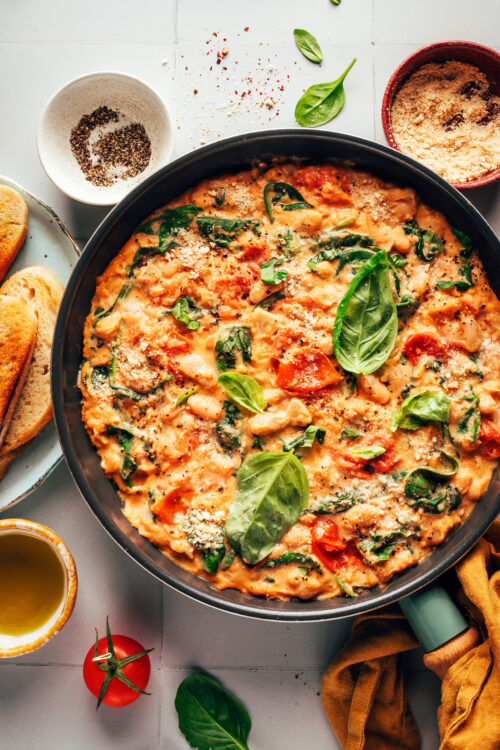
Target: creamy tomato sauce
<point x="187" y="298"/>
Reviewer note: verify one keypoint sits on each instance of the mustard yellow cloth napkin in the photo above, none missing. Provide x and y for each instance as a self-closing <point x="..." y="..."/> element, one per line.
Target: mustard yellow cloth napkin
<point x="363" y="691"/>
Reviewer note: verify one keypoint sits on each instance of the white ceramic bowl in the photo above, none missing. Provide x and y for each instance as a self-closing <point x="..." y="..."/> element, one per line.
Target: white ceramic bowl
<point x="126" y="94"/>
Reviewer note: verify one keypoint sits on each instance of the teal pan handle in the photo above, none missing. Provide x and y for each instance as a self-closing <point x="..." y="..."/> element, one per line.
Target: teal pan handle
<point x="433" y="616"/>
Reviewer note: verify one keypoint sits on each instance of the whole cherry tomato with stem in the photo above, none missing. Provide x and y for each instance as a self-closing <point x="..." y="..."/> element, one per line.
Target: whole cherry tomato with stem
<point x="116" y="669"/>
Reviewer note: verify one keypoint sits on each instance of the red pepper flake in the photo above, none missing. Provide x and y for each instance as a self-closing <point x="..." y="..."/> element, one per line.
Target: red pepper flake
<point x="195" y="91"/>
<point x="246" y="28"/>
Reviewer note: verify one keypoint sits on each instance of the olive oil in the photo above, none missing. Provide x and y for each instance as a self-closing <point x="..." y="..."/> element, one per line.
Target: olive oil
<point x="31" y="583"/>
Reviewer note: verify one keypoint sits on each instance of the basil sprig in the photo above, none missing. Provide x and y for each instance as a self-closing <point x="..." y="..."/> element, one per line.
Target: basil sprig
<point x="269" y="274"/>
<point x="232" y="340"/>
<point x="366" y="324"/>
<point x="273" y="490"/>
<point x="425" y="238"/>
<point x="243" y="390"/>
<point x="308" y="45"/>
<point x="322" y="102"/>
<point x="306" y="439"/>
<point x="424" y="487"/>
<point x="209" y="718"/>
<point x="185" y="311"/>
<point x="276" y="192"/>
<point x="420" y="409"/>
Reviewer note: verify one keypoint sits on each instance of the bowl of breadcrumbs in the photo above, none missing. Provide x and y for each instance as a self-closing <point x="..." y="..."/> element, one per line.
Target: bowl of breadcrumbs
<point x="442" y="107"/>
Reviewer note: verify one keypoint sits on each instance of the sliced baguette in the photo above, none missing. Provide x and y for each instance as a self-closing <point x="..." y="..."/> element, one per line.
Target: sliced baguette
<point x="13" y="226"/>
<point x="43" y="291"/>
<point x="18" y="326"/>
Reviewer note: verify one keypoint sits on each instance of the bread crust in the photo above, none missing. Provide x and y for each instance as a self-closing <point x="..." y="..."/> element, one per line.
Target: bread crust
<point x="13" y="226"/>
<point x="42" y="290"/>
<point x="18" y="327"/>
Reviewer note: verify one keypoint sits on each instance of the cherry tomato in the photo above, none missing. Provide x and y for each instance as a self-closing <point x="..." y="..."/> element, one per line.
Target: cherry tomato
<point x="490" y="436"/>
<point x="117" y="669"/>
<point x="363" y="467"/>
<point x="305" y="371"/>
<point x="423" y="343"/>
<point x="333" y="552"/>
<point x="173" y="502"/>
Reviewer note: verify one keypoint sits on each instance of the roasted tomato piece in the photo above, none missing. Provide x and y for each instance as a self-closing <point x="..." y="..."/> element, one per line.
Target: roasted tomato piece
<point x="173" y="502"/>
<point x="364" y="467"/>
<point x="306" y="370"/>
<point x="489" y="434"/>
<point x="254" y="254"/>
<point x="333" y="552"/>
<point x="333" y="183"/>
<point x="423" y="343"/>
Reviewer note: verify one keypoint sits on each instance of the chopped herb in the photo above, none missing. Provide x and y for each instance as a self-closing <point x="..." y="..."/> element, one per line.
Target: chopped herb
<point x="425" y="237"/>
<point x="275" y="192"/>
<point x="349" y="433"/>
<point x="231" y="341"/>
<point x="345" y="587"/>
<point x="269" y="302"/>
<point x="258" y="443"/>
<point x="125" y="440"/>
<point x="379" y="548"/>
<point x="292" y="245"/>
<point x="223" y="231"/>
<point x="228" y="431"/>
<point x="211" y="558"/>
<point x="408" y="301"/>
<point x="228" y="559"/>
<point x="269" y="274"/>
<point x="367" y="452"/>
<point x="100" y="312"/>
<point x="183" y="398"/>
<point x="337" y="503"/>
<point x="185" y="311"/>
<point x="461" y="284"/>
<point x="172" y="219"/>
<point x="470" y="421"/>
<point x="293" y="558"/>
<point x="306" y="438"/>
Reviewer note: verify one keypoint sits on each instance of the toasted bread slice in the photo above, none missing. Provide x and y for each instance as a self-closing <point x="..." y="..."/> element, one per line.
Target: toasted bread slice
<point x="43" y="291"/>
<point x="18" y="326"/>
<point x="13" y="226"/>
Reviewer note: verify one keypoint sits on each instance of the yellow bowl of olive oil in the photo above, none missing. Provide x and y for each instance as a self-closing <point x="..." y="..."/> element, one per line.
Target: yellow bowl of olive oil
<point x="38" y="584"/>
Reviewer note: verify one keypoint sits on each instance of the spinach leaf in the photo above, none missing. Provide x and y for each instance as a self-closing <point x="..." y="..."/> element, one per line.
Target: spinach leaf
<point x="378" y="548"/>
<point x="273" y="490"/>
<point x="408" y="301"/>
<point x="291" y="242"/>
<point x="275" y="192"/>
<point x="269" y="302"/>
<point x="185" y="311"/>
<point x="461" y="284"/>
<point x="424" y="237"/>
<point x="293" y="558"/>
<point x="232" y="340"/>
<point x="100" y="312"/>
<point x="349" y="433"/>
<point x="366" y="324"/>
<point x="420" y="409"/>
<point x="322" y="102"/>
<point x="306" y="438"/>
<point x="227" y="430"/>
<point x="337" y="503"/>
<point x="171" y="219"/>
<point x="243" y="390"/>
<point x="211" y="558"/>
<point x="209" y="718"/>
<point x="423" y="487"/>
<point x="269" y="274"/>
<point x="335" y="2"/>
<point x="470" y="421"/>
<point x="222" y="231"/>
<point x="465" y="241"/>
<point x="308" y="45"/>
<point x="367" y="451"/>
<point x="345" y="587"/>
<point x="125" y="439"/>
<point x="332" y="248"/>
<point x="184" y="397"/>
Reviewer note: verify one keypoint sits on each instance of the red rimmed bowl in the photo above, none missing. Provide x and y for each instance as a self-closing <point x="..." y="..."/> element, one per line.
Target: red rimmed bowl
<point x="484" y="58"/>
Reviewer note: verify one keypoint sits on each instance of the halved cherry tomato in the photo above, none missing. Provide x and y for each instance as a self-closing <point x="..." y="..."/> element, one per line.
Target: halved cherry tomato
<point x="363" y="467"/>
<point x="307" y="370"/>
<point x="117" y="669"/>
<point x="333" y="552"/>
<point x="173" y="502"/>
<point x="423" y="343"/>
<point x="489" y="434"/>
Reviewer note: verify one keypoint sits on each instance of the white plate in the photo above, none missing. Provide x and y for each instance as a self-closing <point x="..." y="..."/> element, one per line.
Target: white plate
<point x="47" y="244"/>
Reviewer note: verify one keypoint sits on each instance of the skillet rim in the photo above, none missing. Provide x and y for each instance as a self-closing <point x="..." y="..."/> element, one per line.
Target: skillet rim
<point x="456" y="545"/>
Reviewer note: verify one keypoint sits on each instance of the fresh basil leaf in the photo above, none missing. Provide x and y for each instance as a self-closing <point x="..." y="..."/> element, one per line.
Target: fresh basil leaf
<point x="293" y="558"/>
<point x="227" y="430"/>
<point x="243" y="390"/>
<point x="367" y="451"/>
<point x="185" y="311"/>
<point x="379" y="547"/>
<point x="100" y="312"/>
<point x="322" y="102"/>
<point x="273" y="490"/>
<point x="308" y="45"/>
<point x="269" y="274"/>
<point x="349" y="433"/>
<point x="465" y="241"/>
<point x="425" y="238"/>
<point x="172" y="220"/>
<point x="345" y="587"/>
<point x="231" y="341"/>
<point x="184" y="397"/>
<point x="366" y="324"/>
<point x="420" y="409"/>
<point x="209" y="718"/>
<point x="275" y="192"/>
<point x="461" y="284"/>
<point x="269" y="302"/>
<point x="306" y="438"/>
<point x="125" y="439"/>
<point x="222" y="231"/>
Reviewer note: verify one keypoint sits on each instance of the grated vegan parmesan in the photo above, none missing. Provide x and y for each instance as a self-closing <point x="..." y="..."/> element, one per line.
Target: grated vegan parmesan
<point x="446" y="115"/>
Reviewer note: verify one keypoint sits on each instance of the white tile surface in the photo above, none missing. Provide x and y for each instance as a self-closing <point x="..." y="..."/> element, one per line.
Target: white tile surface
<point x="275" y="669"/>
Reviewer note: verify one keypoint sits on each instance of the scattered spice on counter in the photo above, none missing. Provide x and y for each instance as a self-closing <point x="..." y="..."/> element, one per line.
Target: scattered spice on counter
<point x="446" y="115"/>
<point x="105" y="155"/>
